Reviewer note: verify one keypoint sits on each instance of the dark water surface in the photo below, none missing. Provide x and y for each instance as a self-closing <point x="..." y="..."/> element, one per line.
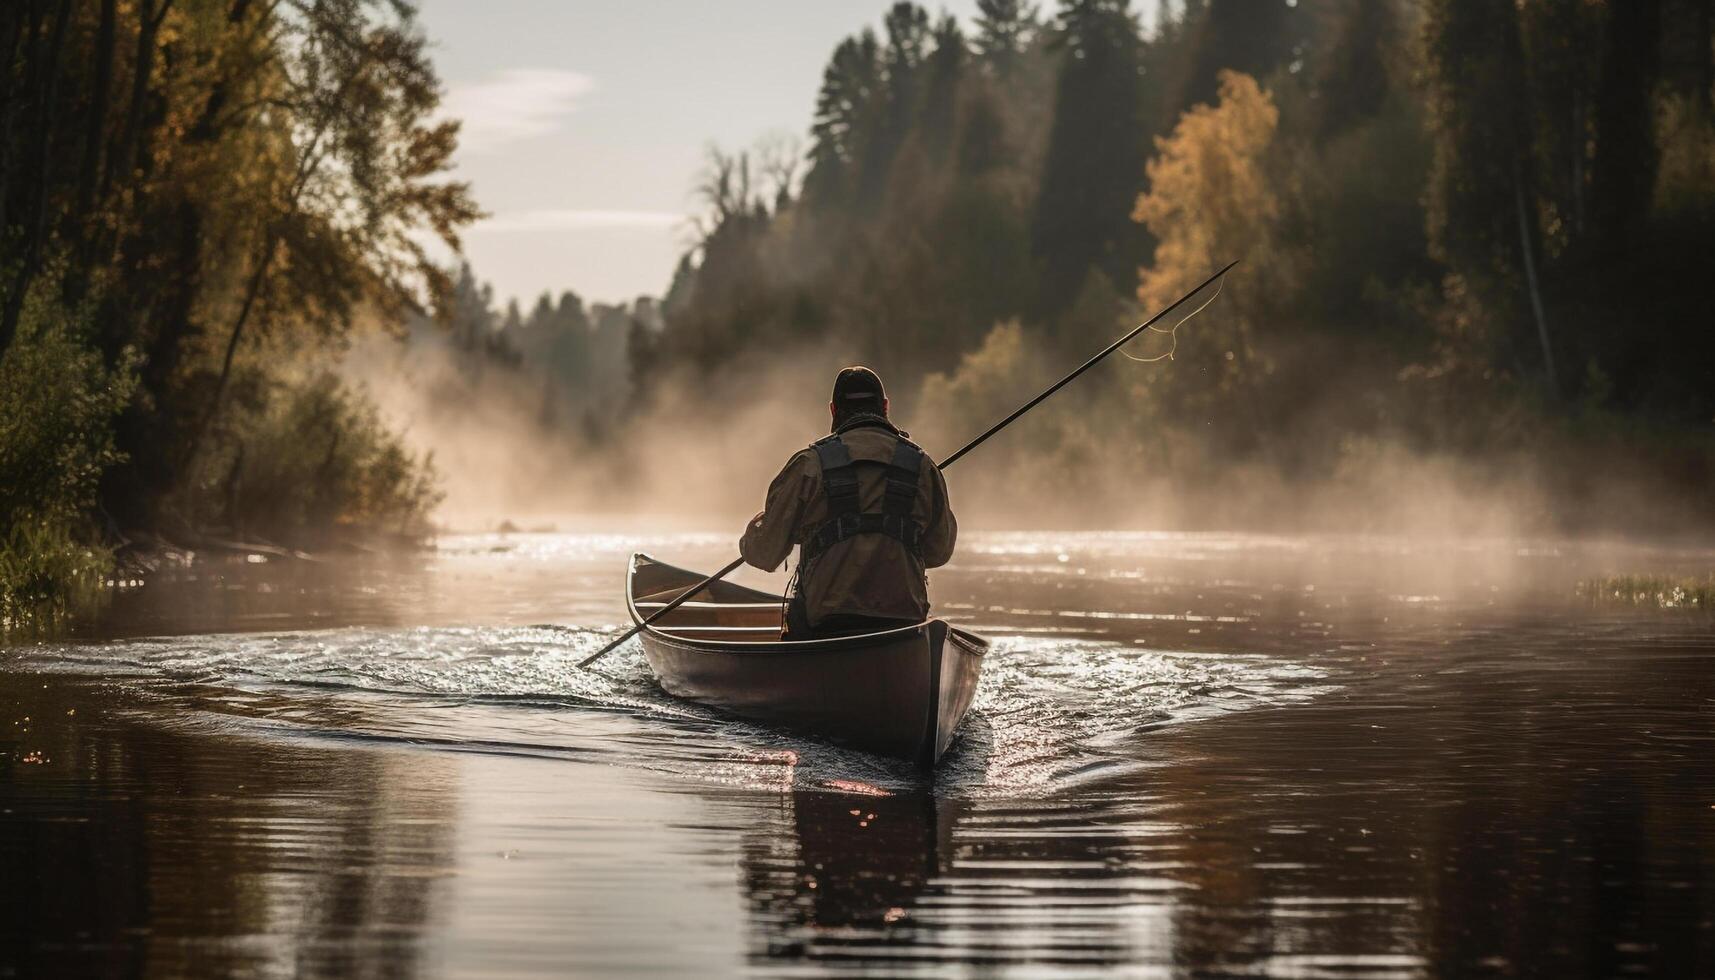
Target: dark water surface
<point x="1191" y="755"/>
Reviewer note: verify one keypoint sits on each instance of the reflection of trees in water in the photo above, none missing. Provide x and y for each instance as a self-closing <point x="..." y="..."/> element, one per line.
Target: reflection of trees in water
<point x="142" y="849"/>
<point x="1538" y="816"/>
<point x="1531" y="820"/>
<point x="228" y="593"/>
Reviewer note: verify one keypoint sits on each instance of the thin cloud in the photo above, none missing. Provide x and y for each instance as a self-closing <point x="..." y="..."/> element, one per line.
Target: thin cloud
<point x="563" y="219"/>
<point x="517" y="104"/>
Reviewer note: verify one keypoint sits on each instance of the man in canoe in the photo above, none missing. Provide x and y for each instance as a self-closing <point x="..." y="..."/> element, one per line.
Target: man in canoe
<point x="869" y="512"/>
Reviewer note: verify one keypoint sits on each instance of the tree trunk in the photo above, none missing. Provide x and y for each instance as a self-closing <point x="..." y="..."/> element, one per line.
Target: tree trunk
<point x="1706" y="57"/>
<point x="1580" y="140"/>
<point x="124" y="161"/>
<point x="14" y="33"/>
<point x="96" y="124"/>
<point x="251" y="291"/>
<point x="36" y="222"/>
<point x="1624" y="169"/>
<point x="1525" y="237"/>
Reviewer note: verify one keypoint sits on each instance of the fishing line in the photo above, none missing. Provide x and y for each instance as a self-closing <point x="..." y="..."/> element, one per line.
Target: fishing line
<point x="1173" y="331"/>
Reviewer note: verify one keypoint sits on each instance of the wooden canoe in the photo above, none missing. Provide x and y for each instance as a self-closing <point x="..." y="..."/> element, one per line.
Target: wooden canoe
<point x="899" y="693"/>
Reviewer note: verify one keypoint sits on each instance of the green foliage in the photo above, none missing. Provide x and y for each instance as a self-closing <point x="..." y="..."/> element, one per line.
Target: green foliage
<point x="583" y="366"/>
<point x="57" y="405"/>
<point x="1251" y="37"/>
<point x="1080" y="209"/>
<point x="224" y="190"/>
<point x="1650" y="591"/>
<point x="986" y="383"/>
<point x="1387" y="172"/>
<point x="1477" y="102"/>
<point x="1003" y="31"/>
<point x="309" y="461"/>
<point x="49" y="573"/>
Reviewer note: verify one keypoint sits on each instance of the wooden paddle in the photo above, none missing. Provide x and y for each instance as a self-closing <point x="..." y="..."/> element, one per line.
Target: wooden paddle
<point x="950" y="460"/>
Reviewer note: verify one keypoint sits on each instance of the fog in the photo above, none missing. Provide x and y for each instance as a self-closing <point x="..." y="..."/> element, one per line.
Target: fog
<point x="702" y="451"/>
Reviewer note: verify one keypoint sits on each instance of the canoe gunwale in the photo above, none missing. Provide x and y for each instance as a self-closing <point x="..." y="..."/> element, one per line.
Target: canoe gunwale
<point x="970" y="642"/>
<point x="899" y="693"/>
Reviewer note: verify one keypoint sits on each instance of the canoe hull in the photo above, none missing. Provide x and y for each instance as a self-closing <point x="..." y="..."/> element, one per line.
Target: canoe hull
<point x="900" y="693"/>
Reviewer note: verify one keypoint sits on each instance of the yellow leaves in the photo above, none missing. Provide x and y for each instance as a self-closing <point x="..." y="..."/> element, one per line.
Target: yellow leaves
<point x="1209" y="191"/>
<point x="986" y="384"/>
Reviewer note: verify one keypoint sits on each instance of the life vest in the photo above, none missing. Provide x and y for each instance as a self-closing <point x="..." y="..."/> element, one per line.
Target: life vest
<point x="845" y="519"/>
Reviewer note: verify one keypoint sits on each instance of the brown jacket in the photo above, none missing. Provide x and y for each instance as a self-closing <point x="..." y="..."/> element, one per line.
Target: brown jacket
<point x="865" y="575"/>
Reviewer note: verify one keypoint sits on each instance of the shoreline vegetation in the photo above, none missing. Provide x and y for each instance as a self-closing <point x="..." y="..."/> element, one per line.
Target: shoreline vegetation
<point x="200" y="204"/>
<point x="1474" y="285"/>
<point x="1651" y="592"/>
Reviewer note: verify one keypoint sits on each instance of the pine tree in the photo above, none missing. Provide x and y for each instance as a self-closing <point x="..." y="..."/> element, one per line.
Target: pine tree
<point x="1352" y="78"/>
<point x="1250" y="36"/>
<point x="907" y="27"/>
<point x="1004" y="27"/>
<point x="1096" y="152"/>
<point x="845" y="121"/>
<point x="1480" y="124"/>
<point x="1623" y="172"/>
<point x="945" y="69"/>
<point x="1482" y="201"/>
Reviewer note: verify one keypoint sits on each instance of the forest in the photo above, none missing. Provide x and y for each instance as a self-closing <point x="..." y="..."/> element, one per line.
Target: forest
<point x="1472" y="234"/>
<point x="1475" y="242"/>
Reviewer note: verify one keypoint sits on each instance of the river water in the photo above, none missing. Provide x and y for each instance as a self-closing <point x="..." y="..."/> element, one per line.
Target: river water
<point x="1191" y="754"/>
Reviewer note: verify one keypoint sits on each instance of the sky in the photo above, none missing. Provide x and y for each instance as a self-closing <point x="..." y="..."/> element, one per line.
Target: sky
<point x="587" y="121"/>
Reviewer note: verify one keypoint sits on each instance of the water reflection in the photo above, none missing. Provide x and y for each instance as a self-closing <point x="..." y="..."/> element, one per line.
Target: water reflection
<point x="1490" y="807"/>
<point x="132" y="849"/>
<point x="1192" y="756"/>
<point x="840" y="874"/>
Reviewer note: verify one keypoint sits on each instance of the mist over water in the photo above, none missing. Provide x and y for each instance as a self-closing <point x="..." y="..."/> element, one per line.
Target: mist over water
<point x="1217" y="753"/>
<point x="701" y="450"/>
<point x="1055" y="703"/>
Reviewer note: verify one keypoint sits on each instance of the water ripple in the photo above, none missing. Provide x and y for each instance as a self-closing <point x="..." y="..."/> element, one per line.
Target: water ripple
<point x="1052" y="712"/>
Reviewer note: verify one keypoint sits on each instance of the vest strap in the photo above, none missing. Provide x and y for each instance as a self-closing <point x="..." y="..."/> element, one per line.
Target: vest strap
<point x="839" y="478"/>
<point x="840" y="486"/>
<point x="902" y="473"/>
<point x="832" y="532"/>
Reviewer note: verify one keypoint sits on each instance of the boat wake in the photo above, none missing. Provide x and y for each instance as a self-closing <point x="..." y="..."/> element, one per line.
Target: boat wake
<point x="1051" y="713"/>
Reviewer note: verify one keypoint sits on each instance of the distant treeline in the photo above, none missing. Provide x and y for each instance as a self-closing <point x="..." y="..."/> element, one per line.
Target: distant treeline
<point x="575" y="358"/>
<point x="1467" y="226"/>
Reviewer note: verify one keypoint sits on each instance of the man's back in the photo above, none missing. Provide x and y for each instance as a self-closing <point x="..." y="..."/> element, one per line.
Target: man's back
<point x="849" y="581"/>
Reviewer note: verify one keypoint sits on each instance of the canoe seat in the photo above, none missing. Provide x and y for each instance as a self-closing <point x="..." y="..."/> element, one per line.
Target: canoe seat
<point x="750" y="619"/>
<point x="696" y="604"/>
<point x="724" y="611"/>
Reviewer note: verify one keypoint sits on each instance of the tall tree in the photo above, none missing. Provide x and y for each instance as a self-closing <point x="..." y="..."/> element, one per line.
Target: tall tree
<point x="1562" y="41"/>
<point x="1623" y="172"/>
<point x="1004" y="27"/>
<point x="1352" y="75"/>
<point x="847" y="107"/>
<point x="1250" y="36"/>
<point x="45" y="63"/>
<point x="1095" y="158"/>
<point x="945" y="70"/>
<point x="1482" y="211"/>
<point x="907" y="28"/>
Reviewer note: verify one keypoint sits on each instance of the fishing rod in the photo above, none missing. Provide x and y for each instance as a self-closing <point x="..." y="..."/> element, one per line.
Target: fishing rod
<point x="950" y="460"/>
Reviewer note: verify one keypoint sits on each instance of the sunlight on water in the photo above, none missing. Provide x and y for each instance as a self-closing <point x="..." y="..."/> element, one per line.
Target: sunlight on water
<point x="1099" y="639"/>
<point x="1049" y="712"/>
<point x="1218" y="754"/>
